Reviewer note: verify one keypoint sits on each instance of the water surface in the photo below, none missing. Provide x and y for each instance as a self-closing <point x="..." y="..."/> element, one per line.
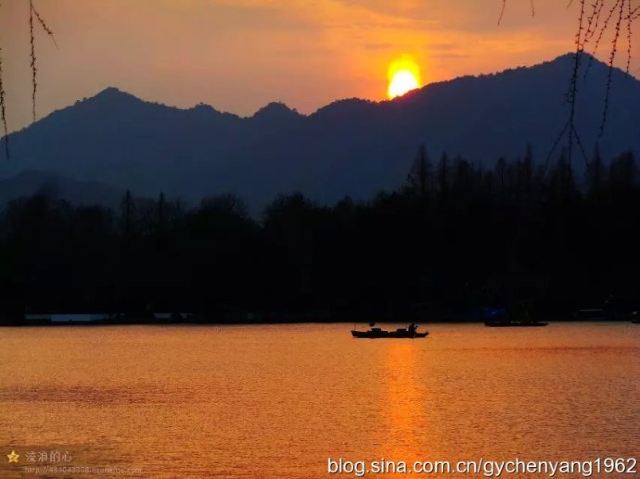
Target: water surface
<point x="277" y="401"/>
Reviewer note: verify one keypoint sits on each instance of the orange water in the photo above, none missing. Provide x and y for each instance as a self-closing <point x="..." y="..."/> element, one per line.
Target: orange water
<point x="278" y="401"/>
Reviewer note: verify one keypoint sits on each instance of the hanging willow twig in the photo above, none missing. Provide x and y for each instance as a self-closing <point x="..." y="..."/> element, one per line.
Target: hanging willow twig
<point x="33" y="16"/>
<point x="629" y="36"/>
<point x="34" y="66"/>
<point x="604" y="27"/>
<point x="594" y="20"/>
<point x="503" y="9"/>
<point x="592" y="26"/>
<point x="572" y="94"/>
<point x="43" y="24"/>
<point x="3" y="112"/>
<point x="612" y="58"/>
<point x="573" y="88"/>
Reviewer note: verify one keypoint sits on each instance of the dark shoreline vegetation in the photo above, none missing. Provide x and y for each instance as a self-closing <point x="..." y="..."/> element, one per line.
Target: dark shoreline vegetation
<point x="454" y="239"/>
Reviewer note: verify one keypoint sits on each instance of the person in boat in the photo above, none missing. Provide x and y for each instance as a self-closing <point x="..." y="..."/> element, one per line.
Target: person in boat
<point x="413" y="327"/>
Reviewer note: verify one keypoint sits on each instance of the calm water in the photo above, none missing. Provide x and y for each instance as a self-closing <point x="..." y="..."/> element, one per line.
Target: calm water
<point x="277" y="401"/>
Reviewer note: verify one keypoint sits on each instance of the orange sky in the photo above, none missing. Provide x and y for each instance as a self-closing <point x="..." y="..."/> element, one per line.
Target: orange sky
<point x="238" y="55"/>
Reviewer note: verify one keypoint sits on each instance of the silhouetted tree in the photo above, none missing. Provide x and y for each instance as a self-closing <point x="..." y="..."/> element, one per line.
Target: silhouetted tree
<point x="127" y="212"/>
<point x="595" y="174"/>
<point x="503" y="235"/>
<point x="420" y="174"/>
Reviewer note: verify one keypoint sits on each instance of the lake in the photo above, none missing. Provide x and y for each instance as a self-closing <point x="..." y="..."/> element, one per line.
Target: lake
<point x="279" y="401"/>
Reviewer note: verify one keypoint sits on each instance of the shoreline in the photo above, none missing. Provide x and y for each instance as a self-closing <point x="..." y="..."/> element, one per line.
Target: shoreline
<point x="96" y="324"/>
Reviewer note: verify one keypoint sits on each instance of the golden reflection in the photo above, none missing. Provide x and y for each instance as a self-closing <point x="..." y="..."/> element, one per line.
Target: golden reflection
<point x="277" y="401"/>
<point x="406" y="401"/>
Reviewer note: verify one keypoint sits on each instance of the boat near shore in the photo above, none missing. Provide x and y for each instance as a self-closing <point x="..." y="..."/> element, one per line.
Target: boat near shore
<point x="502" y="318"/>
<point x="97" y="319"/>
<point x="411" y="332"/>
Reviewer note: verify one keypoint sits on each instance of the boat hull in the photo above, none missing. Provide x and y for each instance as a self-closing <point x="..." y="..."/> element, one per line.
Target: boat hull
<point x="387" y="335"/>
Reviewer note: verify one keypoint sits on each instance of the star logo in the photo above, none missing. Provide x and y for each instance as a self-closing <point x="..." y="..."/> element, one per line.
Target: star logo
<point x="13" y="456"/>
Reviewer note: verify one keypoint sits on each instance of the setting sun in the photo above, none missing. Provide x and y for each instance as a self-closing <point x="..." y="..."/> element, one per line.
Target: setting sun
<point x="404" y="76"/>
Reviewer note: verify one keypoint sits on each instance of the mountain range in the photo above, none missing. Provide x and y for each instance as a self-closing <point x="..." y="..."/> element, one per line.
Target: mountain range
<point x="351" y="147"/>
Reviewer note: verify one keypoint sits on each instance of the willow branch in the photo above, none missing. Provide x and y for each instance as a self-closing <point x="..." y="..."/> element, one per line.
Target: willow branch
<point x="34" y="67"/>
<point x="3" y="111"/>
<point x="612" y="58"/>
<point x="44" y="26"/>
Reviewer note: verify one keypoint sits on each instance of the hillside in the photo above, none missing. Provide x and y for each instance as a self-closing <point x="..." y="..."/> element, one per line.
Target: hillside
<point x="350" y="147"/>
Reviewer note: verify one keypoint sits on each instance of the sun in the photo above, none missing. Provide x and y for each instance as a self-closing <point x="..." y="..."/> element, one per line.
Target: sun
<point x="404" y="76"/>
<point x="403" y="81"/>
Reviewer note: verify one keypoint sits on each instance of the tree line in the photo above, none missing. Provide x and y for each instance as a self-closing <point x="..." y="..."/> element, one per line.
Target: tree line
<point x="455" y="237"/>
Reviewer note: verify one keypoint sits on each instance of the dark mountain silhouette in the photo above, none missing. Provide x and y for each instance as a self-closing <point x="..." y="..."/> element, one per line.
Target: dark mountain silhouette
<point x="277" y="114"/>
<point x="350" y="147"/>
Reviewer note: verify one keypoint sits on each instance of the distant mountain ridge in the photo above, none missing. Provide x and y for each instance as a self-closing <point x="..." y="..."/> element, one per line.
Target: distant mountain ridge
<point x="349" y="147"/>
<point x="79" y="193"/>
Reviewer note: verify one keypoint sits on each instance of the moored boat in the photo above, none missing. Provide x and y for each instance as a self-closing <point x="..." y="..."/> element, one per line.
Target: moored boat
<point x="515" y="324"/>
<point x="503" y="318"/>
<point x="594" y="314"/>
